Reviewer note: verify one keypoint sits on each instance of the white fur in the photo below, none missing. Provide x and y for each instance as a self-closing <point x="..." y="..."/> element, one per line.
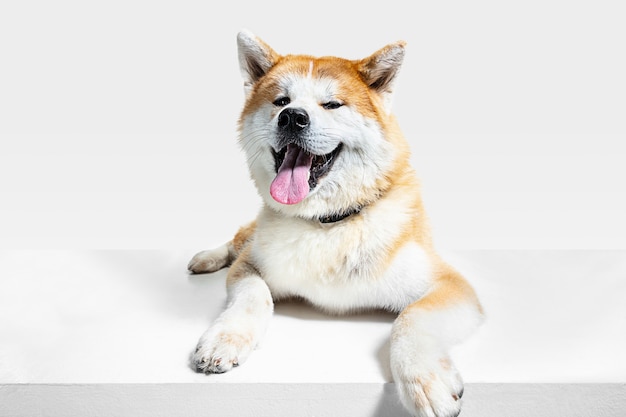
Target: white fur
<point x="419" y="357"/>
<point x="238" y="330"/>
<point x="211" y="260"/>
<point x="336" y="268"/>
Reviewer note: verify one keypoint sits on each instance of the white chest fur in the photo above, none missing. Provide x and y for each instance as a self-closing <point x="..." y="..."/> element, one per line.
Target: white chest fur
<point x="342" y="266"/>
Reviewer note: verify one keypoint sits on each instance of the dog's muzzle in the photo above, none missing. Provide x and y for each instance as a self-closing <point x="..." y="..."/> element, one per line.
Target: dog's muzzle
<point x="298" y="170"/>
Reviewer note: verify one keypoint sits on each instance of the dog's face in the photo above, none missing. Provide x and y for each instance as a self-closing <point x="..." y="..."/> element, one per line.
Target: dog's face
<point x="317" y="131"/>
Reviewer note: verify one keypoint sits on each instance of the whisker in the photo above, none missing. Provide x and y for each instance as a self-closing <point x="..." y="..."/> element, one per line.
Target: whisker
<point x="252" y="159"/>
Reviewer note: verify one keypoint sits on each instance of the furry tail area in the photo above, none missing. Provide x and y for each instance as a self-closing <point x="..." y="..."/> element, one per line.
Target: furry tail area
<point x="213" y="260"/>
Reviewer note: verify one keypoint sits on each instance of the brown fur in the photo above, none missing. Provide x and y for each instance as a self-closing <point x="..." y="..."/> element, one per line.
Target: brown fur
<point x="244" y="234"/>
<point x="241" y="268"/>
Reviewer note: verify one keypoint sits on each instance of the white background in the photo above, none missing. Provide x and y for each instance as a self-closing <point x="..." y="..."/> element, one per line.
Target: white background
<point x="118" y="130"/>
<point x="118" y="118"/>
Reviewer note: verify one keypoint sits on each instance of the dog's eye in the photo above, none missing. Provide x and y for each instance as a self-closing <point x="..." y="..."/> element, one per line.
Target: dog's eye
<point x="281" y="101"/>
<point x="331" y="105"/>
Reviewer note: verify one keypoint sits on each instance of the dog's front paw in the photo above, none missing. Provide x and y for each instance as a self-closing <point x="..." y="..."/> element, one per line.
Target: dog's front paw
<point x="209" y="260"/>
<point x="429" y="387"/>
<point x="221" y="349"/>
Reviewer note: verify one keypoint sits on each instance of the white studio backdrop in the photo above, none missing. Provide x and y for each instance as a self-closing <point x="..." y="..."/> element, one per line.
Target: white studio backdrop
<point x="118" y="118"/>
<point x="118" y="131"/>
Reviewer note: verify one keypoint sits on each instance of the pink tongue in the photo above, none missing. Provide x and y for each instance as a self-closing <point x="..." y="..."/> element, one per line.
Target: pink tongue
<point x="291" y="184"/>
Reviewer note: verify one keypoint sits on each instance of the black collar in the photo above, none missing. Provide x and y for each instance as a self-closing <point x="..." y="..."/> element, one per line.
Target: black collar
<point x="337" y="217"/>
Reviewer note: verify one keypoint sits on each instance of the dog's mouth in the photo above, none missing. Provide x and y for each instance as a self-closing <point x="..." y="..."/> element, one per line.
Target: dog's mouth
<point x="298" y="172"/>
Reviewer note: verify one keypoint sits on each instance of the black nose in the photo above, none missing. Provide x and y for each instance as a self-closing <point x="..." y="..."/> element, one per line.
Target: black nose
<point x="293" y="119"/>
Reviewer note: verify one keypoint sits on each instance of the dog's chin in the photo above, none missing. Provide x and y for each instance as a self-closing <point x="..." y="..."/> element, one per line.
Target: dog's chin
<point x="321" y="165"/>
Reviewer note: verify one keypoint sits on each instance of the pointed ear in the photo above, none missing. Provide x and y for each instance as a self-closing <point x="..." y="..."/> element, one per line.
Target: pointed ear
<point x="380" y="69"/>
<point x="255" y="58"/>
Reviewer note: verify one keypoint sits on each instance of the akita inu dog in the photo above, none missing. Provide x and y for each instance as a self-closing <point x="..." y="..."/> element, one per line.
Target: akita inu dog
<point x="342" y="225"/>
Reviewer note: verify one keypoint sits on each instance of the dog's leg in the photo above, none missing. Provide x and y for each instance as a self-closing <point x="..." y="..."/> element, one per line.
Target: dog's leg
<point x="215" y="259"/>
<point x="427" y="381"/>
<point x="237" y="331"/>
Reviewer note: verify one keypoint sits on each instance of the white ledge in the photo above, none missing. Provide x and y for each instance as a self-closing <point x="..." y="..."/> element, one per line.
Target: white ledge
<point x="80" y="319"/>
<point x="288" y="400"/>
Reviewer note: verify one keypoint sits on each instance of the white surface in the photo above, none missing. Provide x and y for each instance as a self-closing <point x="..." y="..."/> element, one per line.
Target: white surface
<point x="117" y="118"/>
<point x="287" y="400"/>
<point x="73" y="317"/>
<point x="135" y="316"/>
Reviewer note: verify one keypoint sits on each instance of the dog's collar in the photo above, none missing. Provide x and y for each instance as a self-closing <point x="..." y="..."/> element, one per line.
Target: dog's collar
<point x="337" y="217"/>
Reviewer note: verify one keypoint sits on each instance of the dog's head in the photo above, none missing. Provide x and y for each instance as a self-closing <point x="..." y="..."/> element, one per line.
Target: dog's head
<point x="317" y="132"/>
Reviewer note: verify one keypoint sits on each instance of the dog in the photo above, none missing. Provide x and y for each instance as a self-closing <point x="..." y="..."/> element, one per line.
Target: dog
<point x="342" y="224"/>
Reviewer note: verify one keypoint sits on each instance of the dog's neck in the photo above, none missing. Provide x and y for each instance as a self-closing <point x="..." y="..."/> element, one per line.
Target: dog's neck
<point x="337" y="217"/>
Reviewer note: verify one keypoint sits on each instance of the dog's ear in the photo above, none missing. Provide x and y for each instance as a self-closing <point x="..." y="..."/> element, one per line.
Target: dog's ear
<point x="380" y="69"/>
<point x="255" y="58"/>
